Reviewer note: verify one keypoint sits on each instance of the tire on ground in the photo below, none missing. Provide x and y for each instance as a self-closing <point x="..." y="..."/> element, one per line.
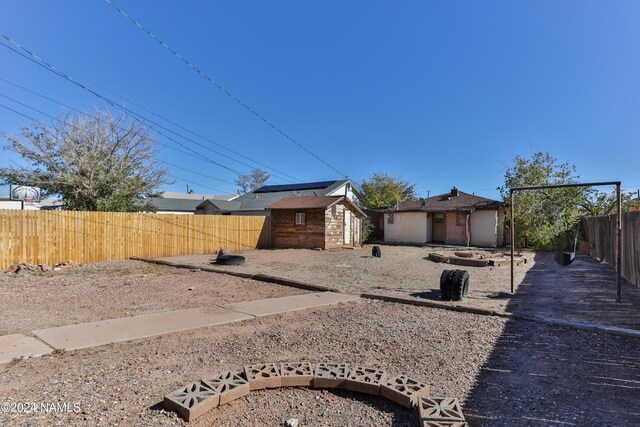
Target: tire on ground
<point x="459" y="284"/>
<point x="376" y="252"/>
<point x="445" y="284"/>
<point x="230" y="260"/>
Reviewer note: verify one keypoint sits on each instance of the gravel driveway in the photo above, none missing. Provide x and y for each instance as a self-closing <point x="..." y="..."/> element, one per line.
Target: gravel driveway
<point x="402" y="271"/>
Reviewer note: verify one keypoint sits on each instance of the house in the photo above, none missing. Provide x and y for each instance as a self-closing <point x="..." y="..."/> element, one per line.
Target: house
<point x="454" y="218"/>
<point x="184" y="203"/>
<point x="308" y="222"/>
<point x="257" y="201"/>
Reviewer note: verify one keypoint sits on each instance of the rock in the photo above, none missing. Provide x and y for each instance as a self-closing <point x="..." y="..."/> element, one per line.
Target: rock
<point x="291" y="422"/>
<point x="13" y="268"/>
<point x="191" y="288"/>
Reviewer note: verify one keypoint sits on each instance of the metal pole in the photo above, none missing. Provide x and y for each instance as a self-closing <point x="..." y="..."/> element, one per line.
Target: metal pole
<point x="618" y="242"/>
<point x="513" y="234"/>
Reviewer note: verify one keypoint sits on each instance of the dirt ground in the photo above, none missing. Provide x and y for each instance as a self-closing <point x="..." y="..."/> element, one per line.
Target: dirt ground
<point x="116" y="289"/>
<point x="402" y="271"/>
<point x="506" y="372"/>
<point x="583" y="292"/>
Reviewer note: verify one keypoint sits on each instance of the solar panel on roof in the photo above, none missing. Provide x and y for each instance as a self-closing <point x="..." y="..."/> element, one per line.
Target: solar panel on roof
<point x="294" y="187"/>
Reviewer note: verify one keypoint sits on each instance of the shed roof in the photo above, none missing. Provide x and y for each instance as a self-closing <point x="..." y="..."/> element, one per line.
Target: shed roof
<point x="263" y="197"/>
<point x="314" y="202"/>
<point x="310" y="202"/>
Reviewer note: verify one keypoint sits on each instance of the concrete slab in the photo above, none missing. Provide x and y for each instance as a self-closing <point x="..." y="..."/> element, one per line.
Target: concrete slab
<point x="265" y="307"/>
<point x="17" y="345"/>
<point x="92" y="334"/>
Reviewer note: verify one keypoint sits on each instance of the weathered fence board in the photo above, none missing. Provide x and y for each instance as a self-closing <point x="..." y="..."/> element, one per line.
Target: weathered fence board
<point x="601" y="233"/>
<point x="50" y="237"/>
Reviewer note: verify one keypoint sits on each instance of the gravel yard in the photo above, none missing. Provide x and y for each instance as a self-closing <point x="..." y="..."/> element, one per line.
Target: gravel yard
<point x="533" y="375"/>
<point x="116" y="289"/>
<point x="505" y="372"/>
<point x="402" y="271"/>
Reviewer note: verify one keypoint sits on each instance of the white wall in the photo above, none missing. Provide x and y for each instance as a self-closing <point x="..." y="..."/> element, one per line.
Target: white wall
<point x="340" y="191"/>
<point x="175" y="212"/>
<point x="407" y="227"/>
<point x="484" y="228"/>
<point x="10" y="204"/>
<point x="501" y="227"/>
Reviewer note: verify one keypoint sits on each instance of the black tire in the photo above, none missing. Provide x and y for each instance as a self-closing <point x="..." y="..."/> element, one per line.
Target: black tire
<point x="445" y="284"/>
<point x="459" y="281"/>
<point x="230" y="260"/>
<point x="376" y="252"/>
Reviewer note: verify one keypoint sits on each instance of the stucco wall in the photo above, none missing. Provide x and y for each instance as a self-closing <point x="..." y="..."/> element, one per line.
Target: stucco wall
<point x="484" y="228"/>
<point x="501" y="218"/>
<point x="407" y="227"/>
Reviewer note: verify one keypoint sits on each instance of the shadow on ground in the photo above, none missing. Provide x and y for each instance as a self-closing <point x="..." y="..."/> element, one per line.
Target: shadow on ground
<point x="543" y="375"/>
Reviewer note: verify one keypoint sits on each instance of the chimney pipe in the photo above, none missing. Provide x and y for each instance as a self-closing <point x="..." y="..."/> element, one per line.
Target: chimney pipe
<point x="455" y="192"/>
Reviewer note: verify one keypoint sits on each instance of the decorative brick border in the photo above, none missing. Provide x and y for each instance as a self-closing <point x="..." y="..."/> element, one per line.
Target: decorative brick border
<point x="195" y="399"/>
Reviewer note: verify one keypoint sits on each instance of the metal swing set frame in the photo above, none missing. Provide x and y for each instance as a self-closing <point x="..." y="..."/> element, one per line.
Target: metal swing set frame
<point x="618" y="265"/>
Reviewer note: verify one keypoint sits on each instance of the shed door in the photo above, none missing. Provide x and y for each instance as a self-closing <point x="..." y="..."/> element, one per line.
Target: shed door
<point x="347" y="227"/>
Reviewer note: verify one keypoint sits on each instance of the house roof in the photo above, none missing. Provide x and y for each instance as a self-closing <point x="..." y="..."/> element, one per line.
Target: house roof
<point x="261" y="198"/>
<point x="174" y="205"/>
<point x="305" y="202"/>
<point x="314" y="202"/>
<point x="195" y="196"/>
<point x="448" y="202"/>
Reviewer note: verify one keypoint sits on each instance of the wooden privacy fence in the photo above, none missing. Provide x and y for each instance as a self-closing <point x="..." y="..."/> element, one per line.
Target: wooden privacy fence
<point x="50" y="237"/>
<point x="601" y="233"/>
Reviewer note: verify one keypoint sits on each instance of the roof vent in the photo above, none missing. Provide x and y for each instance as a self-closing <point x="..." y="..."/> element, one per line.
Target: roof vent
<point x="455" y="192"/>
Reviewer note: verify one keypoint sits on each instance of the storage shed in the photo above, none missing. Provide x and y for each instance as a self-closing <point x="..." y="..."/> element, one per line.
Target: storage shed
<point x="325" y="222"/>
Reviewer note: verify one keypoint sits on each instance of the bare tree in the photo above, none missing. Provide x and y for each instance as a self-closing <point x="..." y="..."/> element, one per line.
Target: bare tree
<point x="95" y="163"/>
<point x="254" y="180"/>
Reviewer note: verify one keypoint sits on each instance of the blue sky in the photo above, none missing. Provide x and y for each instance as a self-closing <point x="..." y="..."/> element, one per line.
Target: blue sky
<point x="440" y="93"/>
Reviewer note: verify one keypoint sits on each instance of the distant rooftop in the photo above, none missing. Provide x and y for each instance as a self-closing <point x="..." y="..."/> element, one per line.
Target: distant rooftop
<point x="194" y="196"/>
<point x="295" y="187"/>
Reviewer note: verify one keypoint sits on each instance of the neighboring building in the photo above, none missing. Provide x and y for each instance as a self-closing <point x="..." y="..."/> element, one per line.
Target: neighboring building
<point x="308" y="222"/>
<point x="184" y="203"/>
<point x="376" y="222"/>
<point x="8" y="203"/>
<point x="454" y="218"/>
<point x="257" y="201"/>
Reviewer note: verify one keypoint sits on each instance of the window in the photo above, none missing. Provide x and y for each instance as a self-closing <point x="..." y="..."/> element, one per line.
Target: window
<point x="299" y="218"/>
<point x="390" y="219"/>
<point x="438" y="218"/>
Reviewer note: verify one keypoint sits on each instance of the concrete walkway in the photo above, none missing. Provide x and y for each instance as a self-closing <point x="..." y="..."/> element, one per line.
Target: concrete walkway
<point x="92" y="334"/>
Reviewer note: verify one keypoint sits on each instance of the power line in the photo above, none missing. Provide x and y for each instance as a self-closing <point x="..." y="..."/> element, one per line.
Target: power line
<point x="49" y="67"/>
<point x="161" y="161"/>
<point x="198" y="156"/>
<point x="124" y="98"/>
<point x="220" y="87"/>
<point x="167" y="120"/>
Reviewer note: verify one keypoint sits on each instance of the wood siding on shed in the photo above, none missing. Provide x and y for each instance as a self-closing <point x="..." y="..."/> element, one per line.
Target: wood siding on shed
<point x="324" y="228"/>
<point x="286" y="234"/>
